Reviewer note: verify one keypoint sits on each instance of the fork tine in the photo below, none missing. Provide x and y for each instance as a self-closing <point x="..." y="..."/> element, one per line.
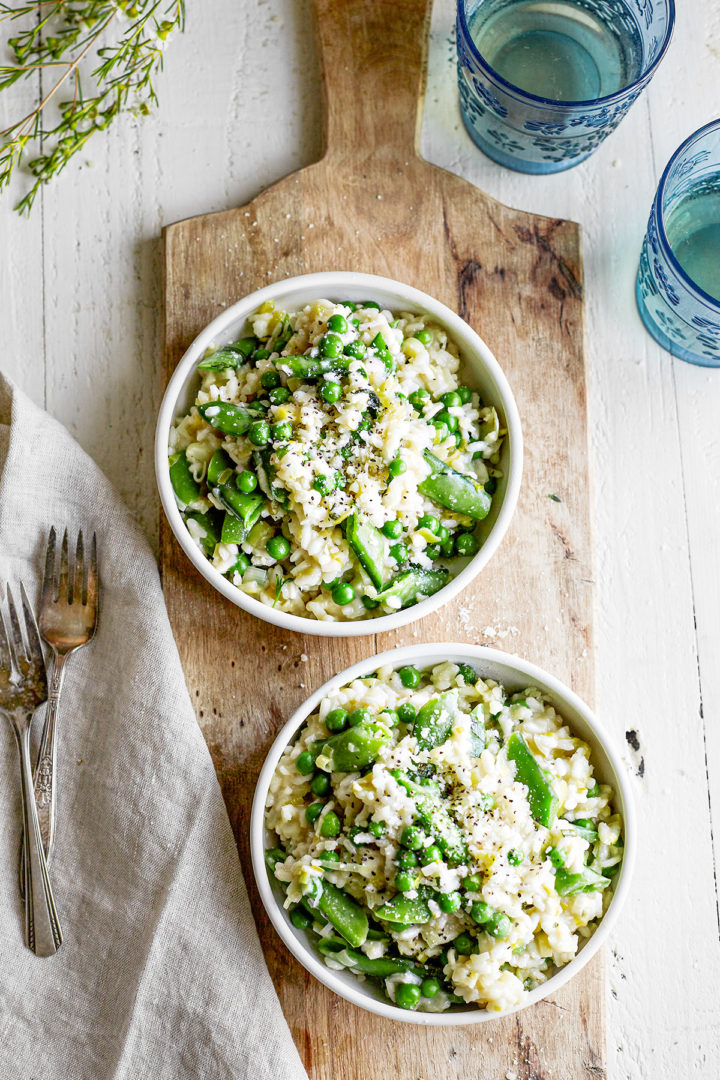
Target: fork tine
<point x="49" y="585"/>
<point x="16" y="642"/>
<point x="79" y="585"/>
<point x="31" y="631"/>
<point x="7" y="659"/>
<point x="63" y="590"/>
<point x="92" y="576"/>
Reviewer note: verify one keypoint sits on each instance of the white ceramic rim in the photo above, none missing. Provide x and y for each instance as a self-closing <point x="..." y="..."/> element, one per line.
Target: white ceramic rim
<point x="475" y="654"/>
<point x="326" y="284"/>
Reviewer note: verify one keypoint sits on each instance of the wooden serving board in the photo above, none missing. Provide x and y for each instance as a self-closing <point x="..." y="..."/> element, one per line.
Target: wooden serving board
<point x="371" y="204"/>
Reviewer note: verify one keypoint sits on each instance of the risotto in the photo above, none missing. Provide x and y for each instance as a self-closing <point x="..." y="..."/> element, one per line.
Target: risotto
<point x="333" y="465"/>
<point x="442" y="837"/>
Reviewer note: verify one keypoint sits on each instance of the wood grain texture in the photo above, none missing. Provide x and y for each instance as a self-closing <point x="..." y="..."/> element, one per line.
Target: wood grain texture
<point x="371" y="204"/>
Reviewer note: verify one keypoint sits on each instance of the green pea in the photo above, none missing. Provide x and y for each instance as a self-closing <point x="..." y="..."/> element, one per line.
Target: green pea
<point x="424" y="337"/>
<point x="313" y="812"/>
<point x="406" y="713"/>
<point x="412" y="837"/>
<point x="330" y="825"/>
<point x="300" y="918"/>
<point x="397" y="467"/>
<point x="338" y="324"/>
<point x="269" y="380"/>
<point x="405" y="881"/>
<point x="410" y="677"/>
<point x="325" y="485"/>
<point x="369" y="603"/>
<point x="463" y="944"/>
<point x="389" y="718"/>
<point x="343" y="594"/>
<point x="261" y="354"/>
<point x="467" y="545"/>
<point x="448" y="546"/>
<point x="473" y="882"/>
<point x="446" y="418"/>
<point x="281" y="431"/>
<point x="399" y="552"/>
<point x="392" y="529"/>
<point x="330" y="346"/>
<point x="377" y="829"/>
<point x="515" y="857"/>
<point x="430" y="987"/>
<point x="320" y="784"/>
<point x="433" y="551"/>
<point x="480" y="912"/>
<point x="491" y="485"/>
<point x="278" y="547"/>
<point x="429" y="522"/>
<point x="407" y="995"/>
<point x="430" y="855"/>
<point x="336" y="720"/>
<point x="331" y="392"/>
<point x="593" y="792"/>
<point x="273" y="856"/>
<point x="419" y="399"/>
<point x="279" y="395"/>
<point x="246" y="481"/>
<point x="358" y="716"/>
<point x="468" y="673"/>
<point x="440" y="427"/>
<point x="369" y="304"/>
<point x="349" y="305"/>
<point x="259" y="433"/>
<point x="465" y="394"/>
<point x="450" y="400"/>
<point x="355" y="349"/>
<point x="305" y="763"/>
<point x="406" y="859"/>
<point x="330" y="857"/>
<point x="498" y="925"/>
<point x="449" y="902"/>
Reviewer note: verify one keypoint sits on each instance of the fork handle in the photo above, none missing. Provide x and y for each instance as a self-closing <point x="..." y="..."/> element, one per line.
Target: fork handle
<point x="44" y="776"/>
<point x="42" y="926"/>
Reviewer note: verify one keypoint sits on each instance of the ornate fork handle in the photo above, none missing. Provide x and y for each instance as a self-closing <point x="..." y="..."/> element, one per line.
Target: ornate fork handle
<point x="44" y="778"/>
<point x="42" y="926"/>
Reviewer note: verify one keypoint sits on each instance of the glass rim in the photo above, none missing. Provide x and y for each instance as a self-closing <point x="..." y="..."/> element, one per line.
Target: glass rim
<point x="658" y="205"/>
<point x="582" y="102"/>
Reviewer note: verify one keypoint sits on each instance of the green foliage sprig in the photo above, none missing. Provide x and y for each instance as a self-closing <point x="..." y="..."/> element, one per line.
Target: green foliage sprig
<point x="117" y="43"/>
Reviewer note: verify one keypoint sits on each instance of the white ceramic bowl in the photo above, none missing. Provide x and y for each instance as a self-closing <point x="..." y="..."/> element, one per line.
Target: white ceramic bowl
<point x="483" y="373"/>
<point x="515" y="674"/>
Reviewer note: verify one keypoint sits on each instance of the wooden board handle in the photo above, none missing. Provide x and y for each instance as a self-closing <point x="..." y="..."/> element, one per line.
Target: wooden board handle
<point x="373" y="54"/>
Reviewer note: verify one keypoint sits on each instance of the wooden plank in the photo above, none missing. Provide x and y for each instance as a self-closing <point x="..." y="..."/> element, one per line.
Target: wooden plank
<point x="373" y="205"/>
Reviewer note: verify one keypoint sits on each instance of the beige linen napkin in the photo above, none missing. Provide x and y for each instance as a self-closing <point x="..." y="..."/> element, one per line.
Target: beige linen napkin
<point x="161" y="974"/>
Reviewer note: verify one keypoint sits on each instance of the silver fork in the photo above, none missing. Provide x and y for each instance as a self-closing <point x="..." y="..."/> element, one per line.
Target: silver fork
<point x="68" y="619"/>
<point x="23" y="687"/>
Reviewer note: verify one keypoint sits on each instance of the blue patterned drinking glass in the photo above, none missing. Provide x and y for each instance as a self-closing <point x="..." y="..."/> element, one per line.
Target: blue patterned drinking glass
<point x="679" y="313"/>
<point x="599" y="53"/>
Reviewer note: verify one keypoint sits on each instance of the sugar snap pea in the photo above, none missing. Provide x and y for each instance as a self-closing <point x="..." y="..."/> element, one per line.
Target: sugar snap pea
<point x="220" y="464"/>
<point x="356" y="747"/>
<point x="568" y="884"/>
<point x="435" y="720"/>
<point x="414" y="584"/>
<point x="404" y="911"/>
<point x="310" y="367"/>
<point x="229" y="356"/>
<point x="246" y="508"/>
<point x="543" y="800"/>
<point x="184" y="484"/>
<point x="226" y="417"/>
<point x="453" y="490"/>
<point x="586" y="829"/>
<point x="369" y="546"/>
<point x="382" y="967"/>
<point x="342" y="912"/>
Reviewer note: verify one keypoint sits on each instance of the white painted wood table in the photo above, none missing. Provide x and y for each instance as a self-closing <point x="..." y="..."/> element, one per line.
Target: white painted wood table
<point x="80" y="310"/>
